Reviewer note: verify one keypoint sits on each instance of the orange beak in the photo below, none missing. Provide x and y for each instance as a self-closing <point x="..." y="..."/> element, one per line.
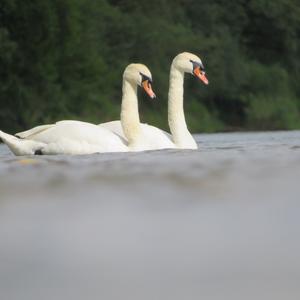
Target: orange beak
<point x="148" y="89"/>
<point x="201" y="75"/>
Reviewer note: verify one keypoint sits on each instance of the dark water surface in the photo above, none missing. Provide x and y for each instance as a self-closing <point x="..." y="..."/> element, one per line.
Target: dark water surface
<point x="222" y="222"/>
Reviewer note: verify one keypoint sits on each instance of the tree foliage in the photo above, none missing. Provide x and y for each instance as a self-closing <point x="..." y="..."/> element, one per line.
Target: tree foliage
<point x="63" y="59"/>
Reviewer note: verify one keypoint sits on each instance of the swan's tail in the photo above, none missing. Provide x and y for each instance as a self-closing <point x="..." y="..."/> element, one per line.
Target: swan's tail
<point x="19" y="146"/>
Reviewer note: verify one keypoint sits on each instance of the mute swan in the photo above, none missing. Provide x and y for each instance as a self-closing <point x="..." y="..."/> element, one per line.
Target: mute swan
<point x="75" y="137"/>
<point x="181" y="138"/>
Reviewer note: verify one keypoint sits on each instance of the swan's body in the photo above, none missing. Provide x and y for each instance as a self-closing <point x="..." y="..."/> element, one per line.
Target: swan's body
<point x="181" y="137"/>
<point x="75" y="137"/>
<point x="65" y="137"/>
<point x="154" y="137"/>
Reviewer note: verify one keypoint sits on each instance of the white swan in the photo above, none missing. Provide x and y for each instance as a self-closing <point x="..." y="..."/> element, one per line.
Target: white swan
<point x="75" y="137"/>
<point x="181" y="138"/>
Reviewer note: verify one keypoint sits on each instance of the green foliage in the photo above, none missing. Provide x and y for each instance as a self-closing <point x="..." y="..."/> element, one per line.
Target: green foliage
<point x="267" y="112"/>
<point x="63" y="59"/>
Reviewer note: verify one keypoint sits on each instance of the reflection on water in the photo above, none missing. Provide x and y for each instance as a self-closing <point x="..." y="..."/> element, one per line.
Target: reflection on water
<point x="218" y="223"/>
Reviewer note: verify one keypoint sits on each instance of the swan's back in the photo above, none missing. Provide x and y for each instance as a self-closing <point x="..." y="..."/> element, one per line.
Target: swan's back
<point x="116" y="128"/>
<point x="32" y="132"/>
<point x="152" y="138"/>
<point x="74" y="137"/>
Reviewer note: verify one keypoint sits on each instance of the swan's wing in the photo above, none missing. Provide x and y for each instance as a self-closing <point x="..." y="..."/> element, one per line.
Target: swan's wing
<point x="31" y="132"/>
<point x="157" y="138"/>
<point x="153" y="138"/>
<point x="113" y="126"/>
<point x="157" y="131"/>
<point x="116" y="128"/>
<point x="75" y="137"/>
<point x="65" y="137"/>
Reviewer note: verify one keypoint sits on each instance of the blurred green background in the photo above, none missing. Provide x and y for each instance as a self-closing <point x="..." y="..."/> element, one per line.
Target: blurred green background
<point x="63" y="59"/>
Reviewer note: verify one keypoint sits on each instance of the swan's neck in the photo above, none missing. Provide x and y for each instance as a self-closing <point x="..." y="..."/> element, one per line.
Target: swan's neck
<point x="130" y="119"/>
<point x="180" y="134"/>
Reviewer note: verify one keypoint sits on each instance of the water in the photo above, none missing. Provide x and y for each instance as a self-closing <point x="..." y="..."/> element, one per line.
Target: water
<point x="218" y="223"/>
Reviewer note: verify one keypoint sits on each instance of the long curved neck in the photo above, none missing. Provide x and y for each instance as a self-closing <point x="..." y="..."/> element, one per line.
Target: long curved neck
<point x="130" y="119"/>
<point x="176" y="116"/>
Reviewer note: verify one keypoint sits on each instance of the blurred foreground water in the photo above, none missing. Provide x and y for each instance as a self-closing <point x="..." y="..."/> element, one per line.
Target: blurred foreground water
<point x="222" y="222"/>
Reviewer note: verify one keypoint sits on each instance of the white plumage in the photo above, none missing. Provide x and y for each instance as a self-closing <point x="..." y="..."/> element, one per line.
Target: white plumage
<point x="75" y="137"/>
<point x="181" y="137"/>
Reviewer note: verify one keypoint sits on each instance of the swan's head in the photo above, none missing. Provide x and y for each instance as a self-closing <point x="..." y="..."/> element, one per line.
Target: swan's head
<point x="139" y="74"/>
<point x="190" y="63"/>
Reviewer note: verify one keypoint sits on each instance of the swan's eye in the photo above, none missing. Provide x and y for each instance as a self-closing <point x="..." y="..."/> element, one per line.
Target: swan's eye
<point x="197" y="65"/>
<point x="146" y="78"/>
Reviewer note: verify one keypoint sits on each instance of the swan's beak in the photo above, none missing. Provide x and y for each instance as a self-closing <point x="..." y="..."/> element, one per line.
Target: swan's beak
<point x="201" y="75"/>
<point x="148" y="89"/>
